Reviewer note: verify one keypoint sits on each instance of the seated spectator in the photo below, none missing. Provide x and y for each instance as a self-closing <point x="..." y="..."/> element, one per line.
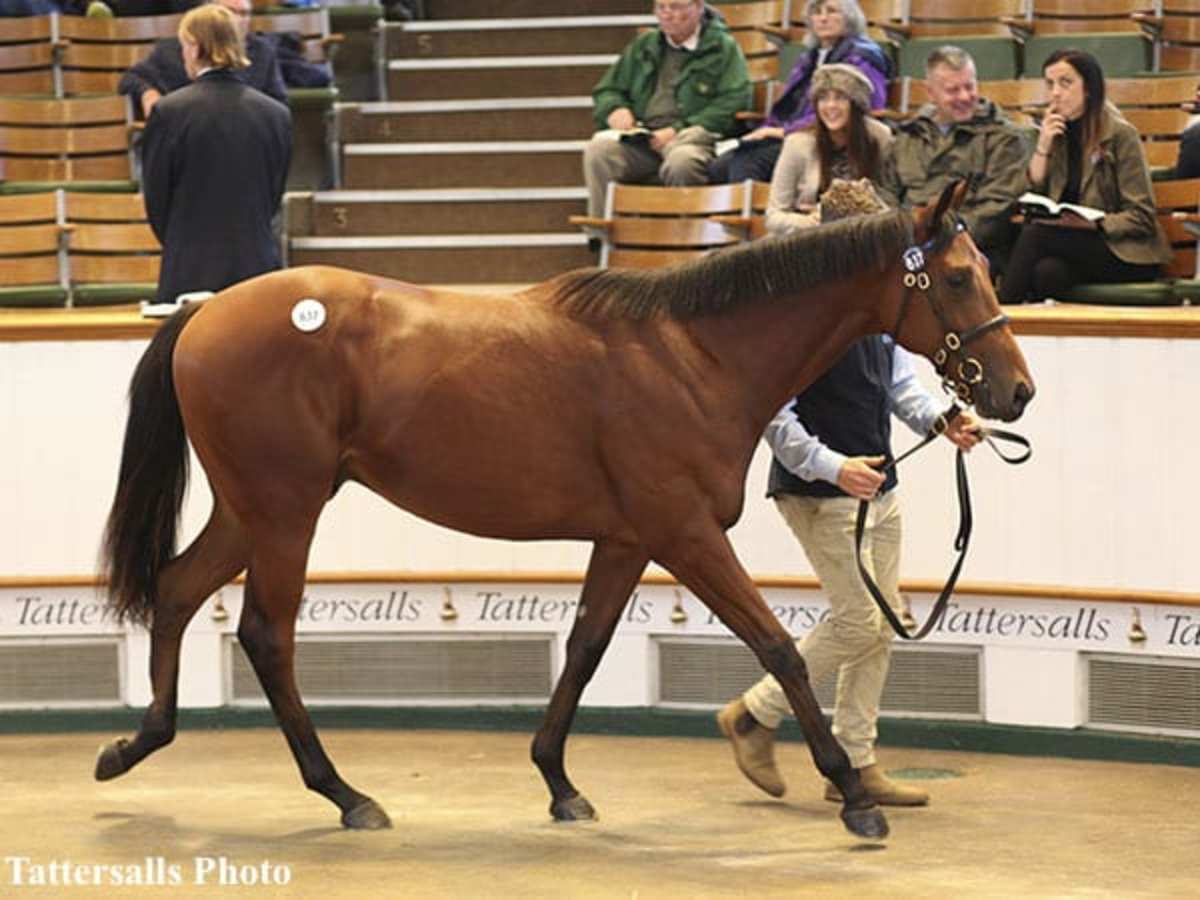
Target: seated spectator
<point x="1087" y="155"/>
<point x="835" y="35"/>
<point x="960" y="135"/>
<point x="163" y="70"/>
<point x="665" y="101"/>
<point x="297" y="71"/>
<point x="843" y="143"/>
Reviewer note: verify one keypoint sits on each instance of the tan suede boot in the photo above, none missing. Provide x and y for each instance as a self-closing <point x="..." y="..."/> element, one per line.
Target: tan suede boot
<point x="881" y="789"/>
<point x="753" y="747"/>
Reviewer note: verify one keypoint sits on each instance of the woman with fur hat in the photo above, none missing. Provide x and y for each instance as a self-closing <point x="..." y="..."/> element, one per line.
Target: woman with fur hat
<point x="836" y="33"/>
<point x="843" y="142"/>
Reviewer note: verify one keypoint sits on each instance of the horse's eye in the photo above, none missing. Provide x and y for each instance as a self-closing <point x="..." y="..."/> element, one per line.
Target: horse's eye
<point x="958" y="278"/>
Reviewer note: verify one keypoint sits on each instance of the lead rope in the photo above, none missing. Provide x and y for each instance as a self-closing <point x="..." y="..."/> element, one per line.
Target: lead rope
<point x="965" y="520"/>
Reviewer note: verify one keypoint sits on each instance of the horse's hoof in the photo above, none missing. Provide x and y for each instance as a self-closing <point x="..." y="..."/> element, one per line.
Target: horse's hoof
<point x="573" y="809"/>
<point x="367" y="816"/>
<point x="109" y="763"/>
<point x="866" y="823"/>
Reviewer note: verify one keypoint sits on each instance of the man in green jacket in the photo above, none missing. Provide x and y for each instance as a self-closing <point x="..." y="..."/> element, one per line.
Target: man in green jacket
<point x="960" y="135"/>
<point x="664" y="103"/>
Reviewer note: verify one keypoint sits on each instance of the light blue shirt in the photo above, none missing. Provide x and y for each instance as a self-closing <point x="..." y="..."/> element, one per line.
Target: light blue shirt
<point x="803" y="454"/>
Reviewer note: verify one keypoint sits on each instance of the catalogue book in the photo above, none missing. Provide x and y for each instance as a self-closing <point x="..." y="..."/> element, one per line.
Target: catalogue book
<point x="1041" y="206"/>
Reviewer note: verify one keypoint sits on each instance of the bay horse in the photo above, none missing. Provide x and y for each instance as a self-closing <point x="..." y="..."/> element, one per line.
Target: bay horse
<point x="616" y="407"/>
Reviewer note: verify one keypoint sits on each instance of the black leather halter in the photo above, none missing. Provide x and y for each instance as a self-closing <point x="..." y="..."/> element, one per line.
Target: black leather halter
<point x="961" y="381"/>
<point x="967" y="376"/>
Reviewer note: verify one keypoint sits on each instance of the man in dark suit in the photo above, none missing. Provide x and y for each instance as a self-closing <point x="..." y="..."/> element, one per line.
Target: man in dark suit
<point x="215" y="162"/>
<point x="162" y="71"/>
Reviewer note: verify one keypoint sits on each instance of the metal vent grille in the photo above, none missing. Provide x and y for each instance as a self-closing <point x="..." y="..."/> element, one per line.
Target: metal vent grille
<point x="385" y="670"/>
<point x="60" y="673"/>
<point x="941" y="682"/>
<point x="1154" y="695"/>
<point x="934" y="682"/>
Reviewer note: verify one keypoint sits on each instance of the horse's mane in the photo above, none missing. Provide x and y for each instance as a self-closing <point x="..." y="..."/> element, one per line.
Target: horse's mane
<point x="746" y="273"/>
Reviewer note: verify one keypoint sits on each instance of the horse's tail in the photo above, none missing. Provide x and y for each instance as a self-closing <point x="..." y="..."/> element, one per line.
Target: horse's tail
<point x="139" y="538"/>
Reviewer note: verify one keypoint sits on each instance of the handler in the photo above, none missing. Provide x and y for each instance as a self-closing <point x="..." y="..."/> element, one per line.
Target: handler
<point x="829" y="445"/>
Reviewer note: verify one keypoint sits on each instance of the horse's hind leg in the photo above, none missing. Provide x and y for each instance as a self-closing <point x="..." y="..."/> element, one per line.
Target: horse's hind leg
<point x="707" y="565"/>
<point x="274" y="585"/>
<point x="612" y="574"/>
<point x="213" y="559"/>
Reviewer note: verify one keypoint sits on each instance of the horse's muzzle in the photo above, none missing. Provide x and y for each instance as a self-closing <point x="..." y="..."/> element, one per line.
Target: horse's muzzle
<point x="1022" y="394"/>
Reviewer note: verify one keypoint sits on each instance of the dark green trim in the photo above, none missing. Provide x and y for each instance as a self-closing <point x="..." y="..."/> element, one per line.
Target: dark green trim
<point x="1019" y="740"/>
<point x="33" y="296"/>
<point x="311" y="98"/>
<point x="359" y="17"/>
<point x="94" y="187"/>
<point x="1141" y="293"/>
<point x="974" y="737"/>
<point x="113" y="294"/>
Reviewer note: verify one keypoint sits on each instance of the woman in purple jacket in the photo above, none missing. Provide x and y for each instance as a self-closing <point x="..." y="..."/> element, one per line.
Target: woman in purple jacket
<point x="836" y="34"/>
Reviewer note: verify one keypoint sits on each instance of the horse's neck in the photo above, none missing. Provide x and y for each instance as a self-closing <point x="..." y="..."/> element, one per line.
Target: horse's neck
<point x="776" y="348"/>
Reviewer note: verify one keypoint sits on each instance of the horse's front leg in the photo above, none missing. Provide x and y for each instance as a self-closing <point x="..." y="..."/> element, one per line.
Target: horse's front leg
<point x="704" y="561"/>
<point x="613" y="571"/>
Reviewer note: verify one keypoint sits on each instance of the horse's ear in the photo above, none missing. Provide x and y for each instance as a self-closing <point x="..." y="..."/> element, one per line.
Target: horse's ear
<point x="929" y="218"/>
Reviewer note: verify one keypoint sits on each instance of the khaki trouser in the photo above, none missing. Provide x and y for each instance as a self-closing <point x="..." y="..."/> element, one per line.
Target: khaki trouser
<point x="684" y="161"/>
<point x="855" y="640"/>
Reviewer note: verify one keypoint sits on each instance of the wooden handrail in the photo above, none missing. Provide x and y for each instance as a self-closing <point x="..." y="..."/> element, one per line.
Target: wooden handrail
<point x="591" y="221"/>
<point x="1043" y="320"/>
<point x="787" y="582"/>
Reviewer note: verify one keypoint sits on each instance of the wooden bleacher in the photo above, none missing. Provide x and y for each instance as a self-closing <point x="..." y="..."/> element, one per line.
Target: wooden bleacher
<point x="31" y="265"/>
<point x="112" y="255"/>
<point x="647" y="227"/>
<point x="72" y="248"/>
<point x="492" y="147"/>
<point x="27" y="56"/>
<point x="46" y="143"/>
<point x="94" y="53"/>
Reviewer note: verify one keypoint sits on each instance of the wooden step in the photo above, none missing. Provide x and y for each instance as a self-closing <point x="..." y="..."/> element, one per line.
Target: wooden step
<point x="463" y="164"/>
<point x="530" y="118"/>
<point x="488" y="9"/>
<point x="498" y="76"/>
<point x="429" y="212"/>
<point x="450" y="259"/>
<point x="511" y="37"/>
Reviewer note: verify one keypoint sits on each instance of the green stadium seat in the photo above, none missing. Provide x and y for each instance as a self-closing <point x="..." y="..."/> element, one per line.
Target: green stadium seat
<point x="1121" y="54"/>
<point x="1177" y="202"/>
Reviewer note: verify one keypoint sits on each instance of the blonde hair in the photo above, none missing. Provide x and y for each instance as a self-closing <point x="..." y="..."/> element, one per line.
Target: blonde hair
<point x="214" y="31"/>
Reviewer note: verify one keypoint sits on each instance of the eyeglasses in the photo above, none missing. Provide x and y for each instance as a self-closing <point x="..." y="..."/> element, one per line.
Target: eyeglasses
<point x="674" y="8"/>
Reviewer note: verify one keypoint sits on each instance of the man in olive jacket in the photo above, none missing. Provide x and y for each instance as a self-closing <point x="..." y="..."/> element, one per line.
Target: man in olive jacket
<point x="664" y="103"/>
<point x="960" y="135"/>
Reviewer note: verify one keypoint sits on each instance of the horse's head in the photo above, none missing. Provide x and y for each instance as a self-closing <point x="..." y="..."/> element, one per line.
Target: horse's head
<point x="948" y="312"/>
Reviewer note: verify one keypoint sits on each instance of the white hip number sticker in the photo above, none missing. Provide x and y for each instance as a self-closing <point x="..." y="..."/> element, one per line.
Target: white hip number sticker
<point x="308" y="314"/>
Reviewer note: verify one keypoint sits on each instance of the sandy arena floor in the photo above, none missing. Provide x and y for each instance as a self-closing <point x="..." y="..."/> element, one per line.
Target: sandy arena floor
<point x="676" y="820"/>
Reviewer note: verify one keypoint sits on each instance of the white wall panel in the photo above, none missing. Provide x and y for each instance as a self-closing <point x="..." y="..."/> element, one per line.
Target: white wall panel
<point x="1105" y="501"/>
